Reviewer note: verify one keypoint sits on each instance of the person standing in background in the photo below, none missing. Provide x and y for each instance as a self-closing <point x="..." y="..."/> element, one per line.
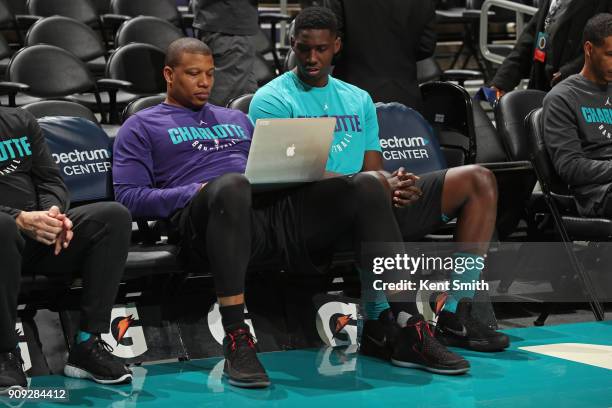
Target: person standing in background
<point x="382" y="58"/>
<point x="550" y="47"/>
<point x="228" y="27"/>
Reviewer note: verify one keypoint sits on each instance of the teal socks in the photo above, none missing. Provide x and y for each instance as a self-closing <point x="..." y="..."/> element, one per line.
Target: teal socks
<point x="466" y="271"/>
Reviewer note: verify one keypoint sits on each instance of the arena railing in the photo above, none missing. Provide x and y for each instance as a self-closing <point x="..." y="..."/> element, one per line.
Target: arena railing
<point x="518" y="8"/>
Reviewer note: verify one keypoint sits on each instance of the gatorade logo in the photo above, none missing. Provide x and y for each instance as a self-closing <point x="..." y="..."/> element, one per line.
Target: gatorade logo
<point x="23" y="347"/>
<point x="336" y="323"/>
<point x="126" y="333"/>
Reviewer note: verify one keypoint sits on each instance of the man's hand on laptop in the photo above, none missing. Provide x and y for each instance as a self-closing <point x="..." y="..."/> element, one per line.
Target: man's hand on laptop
<point x="403" y="187"/>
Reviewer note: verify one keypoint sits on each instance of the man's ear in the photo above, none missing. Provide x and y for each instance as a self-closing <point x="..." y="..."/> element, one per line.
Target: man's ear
<point x="168" y="75"/>
<point x="337" y="45"/>
<point x="292" y="42"/>
<point x="588" y="49"/>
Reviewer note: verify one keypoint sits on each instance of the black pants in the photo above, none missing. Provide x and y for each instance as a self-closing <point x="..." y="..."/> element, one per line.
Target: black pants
<point x="97" y="252"/>
<point x="229" y="226"/>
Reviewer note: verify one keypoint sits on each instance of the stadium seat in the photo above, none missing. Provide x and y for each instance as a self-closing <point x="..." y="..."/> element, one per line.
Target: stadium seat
<point x="147" y="30"/>
<point x="448" y="108"/>
<point x="48" y="72"/>
<point x="510" y="114"/>
<point x="132" y="71"/>
<point x="569" y="224"/>
<point x="140" y="104"/>
<point x="60" y="108"/>
<point x="84" y="11"/>
<point x="407" y="140"/>
<point x="71" y="35"/>
<point x="164" y="9"/>
<point x="90" y="180"/>
<point x="241" y="103"/>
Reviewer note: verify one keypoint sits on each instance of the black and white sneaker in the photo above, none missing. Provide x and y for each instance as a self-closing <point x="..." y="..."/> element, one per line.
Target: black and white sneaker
<point x="460" y="329"/>
<point x="12" y="376"/>
<point x="242" y="367"/>
<point x="416" y="347"/>
<point x="412" y="346"/>
<point x="377" y="335"/>
<point x="92" y="359"/>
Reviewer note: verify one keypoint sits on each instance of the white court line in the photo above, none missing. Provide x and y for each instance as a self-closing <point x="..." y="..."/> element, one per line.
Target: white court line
<point x="591" y="354"/>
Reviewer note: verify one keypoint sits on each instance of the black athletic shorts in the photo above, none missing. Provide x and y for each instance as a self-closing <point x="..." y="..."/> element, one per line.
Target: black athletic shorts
<point x="425" y="215"/>
<point x="276" y="231"/>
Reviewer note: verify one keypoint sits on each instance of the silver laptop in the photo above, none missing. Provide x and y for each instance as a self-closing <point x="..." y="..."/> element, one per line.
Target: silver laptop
<point x="287" y="152"/>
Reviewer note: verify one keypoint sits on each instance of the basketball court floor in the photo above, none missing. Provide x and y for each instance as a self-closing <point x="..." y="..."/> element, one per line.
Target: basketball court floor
<point x="558" y="366"/>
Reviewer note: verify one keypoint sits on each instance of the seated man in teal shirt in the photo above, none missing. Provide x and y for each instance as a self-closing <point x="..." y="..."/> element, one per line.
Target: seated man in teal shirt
<point x="468" y="192"/>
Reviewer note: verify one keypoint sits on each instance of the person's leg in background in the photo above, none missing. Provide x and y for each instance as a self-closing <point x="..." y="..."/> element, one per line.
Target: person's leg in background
<point x="97" y="253"/>
<point x="11" y="244"/>
<point x="234" y="57"/>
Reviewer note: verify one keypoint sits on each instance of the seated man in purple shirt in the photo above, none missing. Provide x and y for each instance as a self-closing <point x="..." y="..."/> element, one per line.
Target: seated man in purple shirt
<point x="183" y="159"/>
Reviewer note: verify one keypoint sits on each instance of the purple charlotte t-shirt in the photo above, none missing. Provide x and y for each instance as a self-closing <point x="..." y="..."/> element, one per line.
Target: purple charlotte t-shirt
<point x="163" y="154"/>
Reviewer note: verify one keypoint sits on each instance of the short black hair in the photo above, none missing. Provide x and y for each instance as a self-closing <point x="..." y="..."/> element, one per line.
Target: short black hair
<point x="597" y="29"/>
<point x="315" y="18"/>
<point x="185" y="45"/>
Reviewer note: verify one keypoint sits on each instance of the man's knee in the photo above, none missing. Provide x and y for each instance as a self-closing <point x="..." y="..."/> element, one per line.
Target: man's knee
<point x="109" y="212"/>
<point x="231" y="191"/>
<point x="372" y="186"/>
<point x="482" y="182"/>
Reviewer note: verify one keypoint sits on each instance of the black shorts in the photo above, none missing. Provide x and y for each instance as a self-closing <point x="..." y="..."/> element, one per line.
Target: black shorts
<point x="425" y="215"/>
<point x="276" y="231"/>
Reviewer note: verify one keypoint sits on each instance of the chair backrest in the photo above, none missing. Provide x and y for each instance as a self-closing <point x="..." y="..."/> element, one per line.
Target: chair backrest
<point x="448" y="107"/>
<point x="69" y="34"/>
<point x="59" y="108"/>
<point x="241" y="103"/>
<point x="148" y="30"/>
<point x="547" y="175"/>
<point x="83" y="153"/>
<point x="510" y="114"/>
<point x="50" y="71"/>
<point x="489" y="148"/>
<point x="164" y="9"/>
<point x="140" y="64"/>
<point x="407" y="140"/>
<point x="140" y="104"/>
<point x="81" y="10"/>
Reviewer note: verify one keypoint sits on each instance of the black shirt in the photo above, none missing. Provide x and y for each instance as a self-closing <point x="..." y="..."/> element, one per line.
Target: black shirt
<point x="29" y="178"/>
<point x="578" y="135"/>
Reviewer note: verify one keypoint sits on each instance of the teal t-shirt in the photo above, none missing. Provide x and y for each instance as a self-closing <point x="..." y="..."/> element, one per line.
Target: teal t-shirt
<point x="356" y="123"/>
